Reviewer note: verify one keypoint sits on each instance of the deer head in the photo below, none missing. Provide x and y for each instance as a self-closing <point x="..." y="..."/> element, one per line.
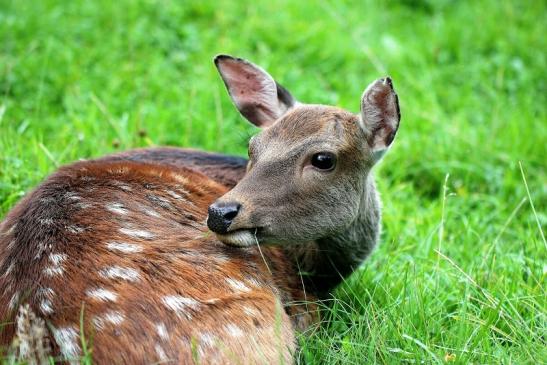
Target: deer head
<point x="309" y="164"/>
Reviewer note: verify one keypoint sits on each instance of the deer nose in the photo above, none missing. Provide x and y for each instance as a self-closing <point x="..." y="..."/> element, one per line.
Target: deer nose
<point x="221" y="216"/>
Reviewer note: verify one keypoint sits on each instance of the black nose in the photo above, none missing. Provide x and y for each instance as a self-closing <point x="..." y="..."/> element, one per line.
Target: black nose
<point x="221" y="216"/>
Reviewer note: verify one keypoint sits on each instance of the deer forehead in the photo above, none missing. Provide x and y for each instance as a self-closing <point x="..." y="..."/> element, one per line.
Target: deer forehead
<point x="306" y="125"/>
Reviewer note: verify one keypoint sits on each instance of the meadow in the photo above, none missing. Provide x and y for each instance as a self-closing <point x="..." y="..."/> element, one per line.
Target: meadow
<point x="459" y="276"/>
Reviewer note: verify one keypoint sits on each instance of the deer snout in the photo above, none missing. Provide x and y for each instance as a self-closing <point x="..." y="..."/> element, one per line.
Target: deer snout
<point x="221" y="215"/>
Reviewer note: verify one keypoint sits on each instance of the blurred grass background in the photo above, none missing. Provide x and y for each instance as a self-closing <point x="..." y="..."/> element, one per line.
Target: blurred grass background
<point x="460" y="274"/>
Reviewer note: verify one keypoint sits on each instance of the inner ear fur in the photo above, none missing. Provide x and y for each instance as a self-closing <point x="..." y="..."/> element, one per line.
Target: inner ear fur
<point x="257" y="96"/>
<point x="380" y="114"/>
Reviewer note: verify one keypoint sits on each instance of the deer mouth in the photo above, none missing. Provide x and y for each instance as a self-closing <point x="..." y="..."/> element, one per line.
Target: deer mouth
<point x="243" y="237"/>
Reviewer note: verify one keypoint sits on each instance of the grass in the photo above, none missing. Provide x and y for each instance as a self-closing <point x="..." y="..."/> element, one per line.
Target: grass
<point x="460" y="273"/>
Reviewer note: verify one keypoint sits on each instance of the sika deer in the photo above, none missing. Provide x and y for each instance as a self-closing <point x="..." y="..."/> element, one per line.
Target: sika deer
<point x="122" y="241"/>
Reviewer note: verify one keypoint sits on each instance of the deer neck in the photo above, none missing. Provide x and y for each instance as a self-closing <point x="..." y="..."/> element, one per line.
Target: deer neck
<point x="325" y="262"/>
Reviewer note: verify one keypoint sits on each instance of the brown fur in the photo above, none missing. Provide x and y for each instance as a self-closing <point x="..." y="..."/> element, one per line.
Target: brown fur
<point x="226" y="170"/>
<point x="67" y="213"/>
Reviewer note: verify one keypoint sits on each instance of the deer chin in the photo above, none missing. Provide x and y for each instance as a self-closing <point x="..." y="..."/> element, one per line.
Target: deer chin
<point x="239" y="238"/>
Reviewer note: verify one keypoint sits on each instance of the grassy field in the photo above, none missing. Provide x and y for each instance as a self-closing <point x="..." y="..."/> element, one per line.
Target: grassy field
<point x="460" y="273"/>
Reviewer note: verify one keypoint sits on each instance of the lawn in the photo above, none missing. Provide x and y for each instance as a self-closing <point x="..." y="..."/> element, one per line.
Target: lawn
<point x="459" y="276"/>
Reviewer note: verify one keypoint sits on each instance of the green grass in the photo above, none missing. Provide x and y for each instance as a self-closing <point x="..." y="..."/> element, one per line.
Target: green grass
<point x="460" y="273"/>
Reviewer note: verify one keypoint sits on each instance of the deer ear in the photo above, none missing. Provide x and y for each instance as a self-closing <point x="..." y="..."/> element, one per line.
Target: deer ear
<point x="254" y="92"/>
<point x="380" y="115"/>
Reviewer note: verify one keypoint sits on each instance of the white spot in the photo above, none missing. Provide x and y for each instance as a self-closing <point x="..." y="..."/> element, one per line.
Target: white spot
<point x="53" y="270"/>
<point x="56" y="267"/>
<point x="67" y="339"/>
<point x="7" y="289"/>
<point x="11" y="244"/>
<point x="117" y="272"/>
<point x="250" y="311"/>
<point x="117" y="208"/>
<point x="57" y="258"/>
<point x="162" y="331"/>
<point x="218" y="257"/>
<point x="102" y="294"/>
<point x="42" y="248"/>
<point x="173" y="194"/>
<point x="13" y="301"/>
<point x="161" y="353"/>
<point x="183" y="190"/>
<point x="123" y="247"/>
<point x="72" y="196"/>
<point x="98" y="322"/>
<point x="46" y="221"/>
<point x="207" y="339"/>
<point x="136" y="233"/>
<point x="83" y="205"/>
<point x="11" y="229"/>
<point x="150" y="212"/>
<point x="45" y="293"/>
<point x="122" y="186"/>
<point x="112" y="317"/>
<point x="181" y="305"/>
<point x="74" y="229"/>
<point x="233" y="330"/>
<point x="192" y="254"/>
<point x="238" y="285"/>
<point x="46" y="306"/>
<point x="9" y="269"/>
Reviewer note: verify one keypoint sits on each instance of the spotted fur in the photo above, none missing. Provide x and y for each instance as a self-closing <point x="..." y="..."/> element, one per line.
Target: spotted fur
<point x="130" y="271"/>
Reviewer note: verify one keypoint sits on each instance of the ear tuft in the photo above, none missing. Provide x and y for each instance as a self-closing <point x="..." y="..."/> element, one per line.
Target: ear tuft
<point x="254" y="92"/>
<point x="380" y="115"/>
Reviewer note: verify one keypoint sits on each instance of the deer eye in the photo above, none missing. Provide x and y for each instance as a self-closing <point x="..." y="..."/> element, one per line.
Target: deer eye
<point x="323" y="161"/>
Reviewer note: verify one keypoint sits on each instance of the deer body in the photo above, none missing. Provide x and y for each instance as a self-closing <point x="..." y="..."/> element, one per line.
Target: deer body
<point x="124" y="245"/>
<point x="120" y="249"/>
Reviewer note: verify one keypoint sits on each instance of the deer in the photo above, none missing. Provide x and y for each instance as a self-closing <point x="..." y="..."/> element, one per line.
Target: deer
<point x="182" y="256"/>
